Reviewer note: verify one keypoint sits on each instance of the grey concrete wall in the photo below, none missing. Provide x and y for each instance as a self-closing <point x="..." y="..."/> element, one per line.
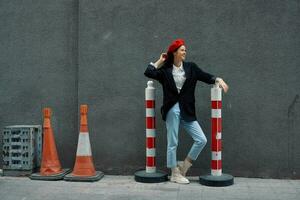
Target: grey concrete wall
<point x="253" y="45"/>
<point x="38" y="67"/>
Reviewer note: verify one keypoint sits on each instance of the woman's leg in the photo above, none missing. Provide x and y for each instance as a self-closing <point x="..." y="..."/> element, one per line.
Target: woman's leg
<point x="172" y="124"/>
<point x="193" y="128"/>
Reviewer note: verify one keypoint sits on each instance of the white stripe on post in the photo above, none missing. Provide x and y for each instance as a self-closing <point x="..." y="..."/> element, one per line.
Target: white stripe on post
<point x="150" y="132"/>
<point x="149" y="91"/>
<point x="83" y="147"/>
<point x="216" y="95"/>
<point x="216" y="172"/>
<point x="216" y="113"/>
<point x="150" y="169"/>
<point x="150" y="152"/>
<point x="216" y="155"/>
<point x="150" y="112"/>
<point x="149" y="95"/>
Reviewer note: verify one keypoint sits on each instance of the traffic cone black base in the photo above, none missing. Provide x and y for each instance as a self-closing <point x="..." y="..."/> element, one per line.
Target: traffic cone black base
<point x="54" y="177"/>
<point x="73" y="178"/>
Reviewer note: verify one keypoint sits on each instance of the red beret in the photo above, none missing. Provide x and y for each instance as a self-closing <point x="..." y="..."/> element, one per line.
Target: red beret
<point x="175" y="45"/>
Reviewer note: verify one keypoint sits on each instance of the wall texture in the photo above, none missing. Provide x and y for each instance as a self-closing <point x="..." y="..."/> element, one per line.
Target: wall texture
<point x="66" y="53"/>
<point x="38" y="67"/>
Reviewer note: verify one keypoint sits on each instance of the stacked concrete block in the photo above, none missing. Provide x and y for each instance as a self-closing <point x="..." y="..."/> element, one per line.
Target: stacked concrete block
<point x="22" y="147"/>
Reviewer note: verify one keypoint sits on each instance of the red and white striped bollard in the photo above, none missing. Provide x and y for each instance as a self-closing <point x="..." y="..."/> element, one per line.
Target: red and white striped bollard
<point x="216" y="131"/>
<point x="150" y="127"/>
<point x="150" y="175"/>
<point x="216" y="177"/>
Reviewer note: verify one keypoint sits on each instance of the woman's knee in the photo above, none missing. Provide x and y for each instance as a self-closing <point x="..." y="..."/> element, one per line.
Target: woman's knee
<point x="204" y="140"/>
<point x="173" y="143"/>
<point x="201" y="141"/>
<point x="172" y="146"/>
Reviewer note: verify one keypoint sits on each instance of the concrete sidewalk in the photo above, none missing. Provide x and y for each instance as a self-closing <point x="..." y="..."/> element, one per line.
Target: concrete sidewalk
<point x="124" y="187"/>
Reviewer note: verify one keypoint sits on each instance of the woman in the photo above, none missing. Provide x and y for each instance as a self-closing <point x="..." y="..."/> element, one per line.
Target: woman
<point x="178" y="79"/>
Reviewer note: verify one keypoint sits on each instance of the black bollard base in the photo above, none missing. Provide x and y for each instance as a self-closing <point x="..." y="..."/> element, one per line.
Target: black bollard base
<point x="216" y="181"/>
<point x="144" y="177"/>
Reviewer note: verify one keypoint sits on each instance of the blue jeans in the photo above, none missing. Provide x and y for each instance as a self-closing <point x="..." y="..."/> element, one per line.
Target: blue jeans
<point x="193" y="128"/>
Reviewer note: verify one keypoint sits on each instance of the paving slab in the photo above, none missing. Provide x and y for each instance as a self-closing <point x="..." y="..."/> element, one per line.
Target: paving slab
<point x="124" y="187"/>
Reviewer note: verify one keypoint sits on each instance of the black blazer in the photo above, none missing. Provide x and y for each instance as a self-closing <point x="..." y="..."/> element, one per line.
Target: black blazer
<point x="186" y="97"/>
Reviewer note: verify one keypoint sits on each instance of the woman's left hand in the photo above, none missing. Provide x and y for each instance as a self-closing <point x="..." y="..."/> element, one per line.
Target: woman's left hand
<point x="222" y="84"/>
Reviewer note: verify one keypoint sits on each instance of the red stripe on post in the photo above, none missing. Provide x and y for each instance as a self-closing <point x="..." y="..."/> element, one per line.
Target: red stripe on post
<point x="216" y="104"/>
<point x="216" y="164"/>
<point x="150" y="161"/>
<point x="150" y="142"/>
<point x="216" y="125"/>
<point x="150" y="122"/>
<point x="216" y="145"/>
<point x="150" y="104"/>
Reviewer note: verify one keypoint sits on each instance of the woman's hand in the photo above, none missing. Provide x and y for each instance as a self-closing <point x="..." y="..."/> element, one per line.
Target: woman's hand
<point x="222" y="84"/>
<point x="161" y="60"/>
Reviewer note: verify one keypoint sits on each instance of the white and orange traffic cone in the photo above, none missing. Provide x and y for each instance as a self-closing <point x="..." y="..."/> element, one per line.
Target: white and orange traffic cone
<point x="84" y="169"/>
<point x="50" y="165"/>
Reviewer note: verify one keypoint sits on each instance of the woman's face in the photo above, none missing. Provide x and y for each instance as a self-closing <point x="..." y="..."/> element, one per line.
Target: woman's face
<point x="180" y="53"/>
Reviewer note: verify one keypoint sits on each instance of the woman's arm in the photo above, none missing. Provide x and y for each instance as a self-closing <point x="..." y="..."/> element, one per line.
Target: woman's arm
<point x="210" y="79"/>
<point x="153" y="69"/>
<point x="204" y="76"/>
<point x="159" y="63"/>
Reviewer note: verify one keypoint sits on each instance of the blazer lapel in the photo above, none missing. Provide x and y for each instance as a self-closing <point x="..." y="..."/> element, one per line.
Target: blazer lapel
<point x="187" y="71"/>
<point x="171" y="79"/>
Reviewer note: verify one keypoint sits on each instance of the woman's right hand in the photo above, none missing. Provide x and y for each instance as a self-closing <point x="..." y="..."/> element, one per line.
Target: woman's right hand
<point x="163" y="57"/>
<point x="161" y="60"/>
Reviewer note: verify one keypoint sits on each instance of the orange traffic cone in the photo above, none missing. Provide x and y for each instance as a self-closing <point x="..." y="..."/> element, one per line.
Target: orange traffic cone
<point x="84" y="169"/>
<point x="50" y="165"/>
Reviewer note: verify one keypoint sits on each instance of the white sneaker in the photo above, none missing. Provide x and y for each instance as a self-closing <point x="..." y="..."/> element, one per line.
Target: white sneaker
<point x="176" y="177"/>
<point x="184" y="166"/>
